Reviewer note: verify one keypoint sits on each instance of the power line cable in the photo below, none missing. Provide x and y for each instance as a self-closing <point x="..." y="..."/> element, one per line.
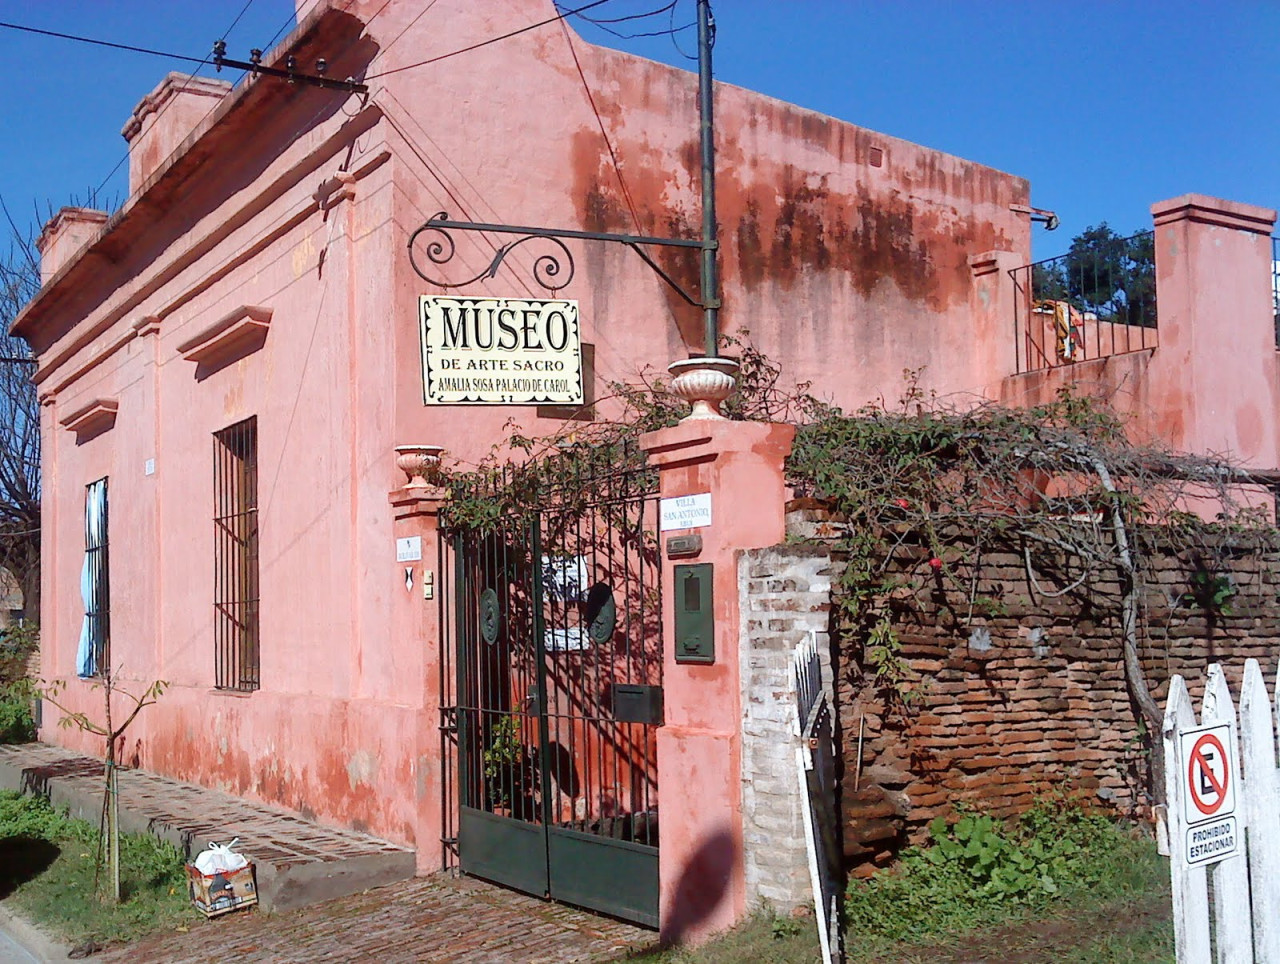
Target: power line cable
<point x="93" y="198"/>
<point x="670" y="31"/>
<point x="613" y="157"/>
<point x="675" y="37"/>
<point x="603" y="22"/>
<point x="101" y="43"/>
<point x="629" y="17"/>
<point x="485" y="43"/>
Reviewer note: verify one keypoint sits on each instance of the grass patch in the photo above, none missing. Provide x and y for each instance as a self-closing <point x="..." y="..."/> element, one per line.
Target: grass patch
<point x="1060" y="885"/>
<point x="764" y="939"/>
<point x="1059" y="882"/>
<point x="47" y="874"/>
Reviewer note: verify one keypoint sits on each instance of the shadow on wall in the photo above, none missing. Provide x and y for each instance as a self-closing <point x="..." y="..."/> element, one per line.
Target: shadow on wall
<point x="703" y="886"/>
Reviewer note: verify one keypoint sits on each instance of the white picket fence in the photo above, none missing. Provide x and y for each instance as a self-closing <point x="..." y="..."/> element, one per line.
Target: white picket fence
<point x="1211" y="803"/>
<point x="816" y="767"/>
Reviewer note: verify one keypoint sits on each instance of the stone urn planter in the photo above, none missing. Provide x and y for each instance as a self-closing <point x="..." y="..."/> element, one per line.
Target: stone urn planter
<point x="704" y="383"/>
<point x="420" y="463"/>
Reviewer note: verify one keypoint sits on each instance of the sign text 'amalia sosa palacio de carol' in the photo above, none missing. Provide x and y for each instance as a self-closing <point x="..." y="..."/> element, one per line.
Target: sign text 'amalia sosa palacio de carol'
<point x="228" y="364"/>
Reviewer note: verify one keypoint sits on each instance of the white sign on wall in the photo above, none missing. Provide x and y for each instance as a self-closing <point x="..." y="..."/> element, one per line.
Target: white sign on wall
<point x="500" y="351"/>
<point x="409" y="549"/>
<point x="1209" y="794"/>
<point x="686" y="512"/>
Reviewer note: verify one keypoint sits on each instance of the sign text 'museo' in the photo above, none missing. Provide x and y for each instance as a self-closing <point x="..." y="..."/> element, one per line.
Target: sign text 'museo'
<point x="500" y="351"/>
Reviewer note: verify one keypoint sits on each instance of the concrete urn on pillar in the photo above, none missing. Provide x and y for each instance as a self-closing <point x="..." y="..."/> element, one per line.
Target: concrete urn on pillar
<point x="704" y="383"/>
<point x="420" y="463"/>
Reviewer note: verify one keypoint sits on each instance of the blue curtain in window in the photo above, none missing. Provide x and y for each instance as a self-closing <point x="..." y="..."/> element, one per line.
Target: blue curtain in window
<point x="89" y="650"/>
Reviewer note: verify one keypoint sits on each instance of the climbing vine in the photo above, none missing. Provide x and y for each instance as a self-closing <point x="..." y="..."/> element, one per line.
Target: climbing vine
<point x="921" y="490"/>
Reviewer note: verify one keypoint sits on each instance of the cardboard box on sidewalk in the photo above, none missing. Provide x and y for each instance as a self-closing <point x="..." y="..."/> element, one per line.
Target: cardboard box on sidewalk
<point x="221" y="893"/>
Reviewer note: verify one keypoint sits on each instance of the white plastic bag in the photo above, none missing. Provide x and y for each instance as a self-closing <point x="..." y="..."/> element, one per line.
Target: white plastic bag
<point x="220" y="859"/>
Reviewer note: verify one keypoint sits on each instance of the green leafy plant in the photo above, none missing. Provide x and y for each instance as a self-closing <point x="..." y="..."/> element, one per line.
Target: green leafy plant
<point x="979" y="869"/>
<point x="1211" y="591"/>
<point x="112" y="731"/>
<point x="892" y="672"/>
<point x="784" y="928"/>
<point x="506" y="762"/>
<point x="17" y="643"/>
<point x="16" y="722"/>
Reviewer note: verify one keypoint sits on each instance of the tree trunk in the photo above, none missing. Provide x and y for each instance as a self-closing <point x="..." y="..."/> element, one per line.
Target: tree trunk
<point x="1151" y="715"/>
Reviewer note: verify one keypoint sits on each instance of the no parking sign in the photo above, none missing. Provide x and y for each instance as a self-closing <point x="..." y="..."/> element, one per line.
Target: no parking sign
<point x="1209" y="793"/>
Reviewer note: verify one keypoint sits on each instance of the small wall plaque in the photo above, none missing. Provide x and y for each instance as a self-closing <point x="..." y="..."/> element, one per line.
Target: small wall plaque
<point x="682" y="547"/>
<point x="409" y="549"/>
<point x="685" y="512"/>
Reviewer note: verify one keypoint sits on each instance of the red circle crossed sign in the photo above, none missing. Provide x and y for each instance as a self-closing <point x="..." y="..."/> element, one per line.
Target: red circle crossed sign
<point x="1201" y="776"/>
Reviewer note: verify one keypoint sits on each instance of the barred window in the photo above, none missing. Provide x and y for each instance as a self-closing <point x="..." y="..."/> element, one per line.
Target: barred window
<point x="235" y="520"/>
<point x="93" y="651"/>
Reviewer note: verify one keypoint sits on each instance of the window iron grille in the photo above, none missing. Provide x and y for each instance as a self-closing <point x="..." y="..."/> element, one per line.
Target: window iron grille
<point x="236" y="591"/>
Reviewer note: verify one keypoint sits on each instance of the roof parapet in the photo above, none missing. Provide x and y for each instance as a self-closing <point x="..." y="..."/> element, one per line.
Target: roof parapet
<point x="64" y="235"/>
<point x="163" y="120"/>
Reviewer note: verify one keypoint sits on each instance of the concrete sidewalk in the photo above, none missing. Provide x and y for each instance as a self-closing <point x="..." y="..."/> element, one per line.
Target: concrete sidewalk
<point x="297" y="862"/>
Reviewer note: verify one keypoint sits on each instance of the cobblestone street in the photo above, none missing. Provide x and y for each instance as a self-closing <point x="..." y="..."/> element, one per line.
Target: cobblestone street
<point x="437" y="918"/>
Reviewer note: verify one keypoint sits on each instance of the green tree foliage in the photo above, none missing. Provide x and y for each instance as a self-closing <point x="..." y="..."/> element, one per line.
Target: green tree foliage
<point x="1102" y="272"/>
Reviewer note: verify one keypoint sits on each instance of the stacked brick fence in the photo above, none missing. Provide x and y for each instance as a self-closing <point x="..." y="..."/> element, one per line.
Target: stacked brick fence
<point x="1018" y="696"/>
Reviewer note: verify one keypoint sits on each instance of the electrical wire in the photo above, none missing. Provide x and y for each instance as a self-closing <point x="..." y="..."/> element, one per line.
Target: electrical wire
<point x="675" y="39"/>
<point x="613" y="157"/>
<point x="602" y="22"/>
<point x="485" y="43"/>
<point x="100" y="43"/>
<point x="629" y="17"/>
<point x="93" y="198"/>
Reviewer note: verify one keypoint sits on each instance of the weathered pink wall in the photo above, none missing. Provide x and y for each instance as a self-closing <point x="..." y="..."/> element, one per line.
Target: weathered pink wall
<point x="844" y="271"/>
<point x="1210" y="385"/>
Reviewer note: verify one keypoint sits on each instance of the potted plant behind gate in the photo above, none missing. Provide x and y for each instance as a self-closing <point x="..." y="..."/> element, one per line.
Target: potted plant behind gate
<point x="509" y="779"/>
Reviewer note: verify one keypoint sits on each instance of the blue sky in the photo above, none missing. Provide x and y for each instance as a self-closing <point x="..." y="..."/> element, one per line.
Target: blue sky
<point x="1104" y="106"/>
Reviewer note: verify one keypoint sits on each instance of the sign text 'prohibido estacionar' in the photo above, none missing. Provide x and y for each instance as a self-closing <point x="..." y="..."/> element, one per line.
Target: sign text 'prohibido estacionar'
<point x="500" y="351"/>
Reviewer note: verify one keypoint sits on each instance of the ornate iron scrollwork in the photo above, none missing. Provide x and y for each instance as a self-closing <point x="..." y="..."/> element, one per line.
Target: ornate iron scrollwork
<point x="552" y="270"/>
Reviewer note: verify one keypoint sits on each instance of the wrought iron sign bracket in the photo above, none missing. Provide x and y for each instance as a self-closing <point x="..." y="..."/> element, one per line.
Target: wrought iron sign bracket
<point x="552" y="270"/>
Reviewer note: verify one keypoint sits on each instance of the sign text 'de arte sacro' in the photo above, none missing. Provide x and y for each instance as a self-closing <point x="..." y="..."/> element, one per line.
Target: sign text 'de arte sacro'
<point x="500" y="351"/>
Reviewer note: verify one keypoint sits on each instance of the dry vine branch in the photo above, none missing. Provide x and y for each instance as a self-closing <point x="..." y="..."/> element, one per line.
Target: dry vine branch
<point x="1061" y="476"/>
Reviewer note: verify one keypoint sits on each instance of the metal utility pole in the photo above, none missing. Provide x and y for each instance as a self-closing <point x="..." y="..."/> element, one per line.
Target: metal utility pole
<point x="706" y="134"/>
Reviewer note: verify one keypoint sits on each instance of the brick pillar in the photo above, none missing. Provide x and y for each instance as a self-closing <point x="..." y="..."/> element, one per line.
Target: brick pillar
<point x="416" y="620"/>
<point x="739" y="465"/>
<point x="1213" y="378"/>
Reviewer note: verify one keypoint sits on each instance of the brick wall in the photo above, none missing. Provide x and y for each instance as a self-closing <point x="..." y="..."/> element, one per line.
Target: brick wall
<point x="786" y="597"/>
<point x="1042" y="705"/>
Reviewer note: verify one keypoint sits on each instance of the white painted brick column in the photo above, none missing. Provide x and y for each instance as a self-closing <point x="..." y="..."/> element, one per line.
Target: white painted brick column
<point x="785" y="595"/>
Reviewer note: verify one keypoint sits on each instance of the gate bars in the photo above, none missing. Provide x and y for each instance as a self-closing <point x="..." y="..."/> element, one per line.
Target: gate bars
<point x="550" y="608"/>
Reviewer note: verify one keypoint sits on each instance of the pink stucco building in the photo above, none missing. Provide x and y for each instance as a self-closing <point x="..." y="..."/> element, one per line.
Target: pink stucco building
<point x="227" y="364"/>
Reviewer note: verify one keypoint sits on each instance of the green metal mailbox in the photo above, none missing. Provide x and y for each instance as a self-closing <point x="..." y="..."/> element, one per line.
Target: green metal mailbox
<point x="695" y="624"/>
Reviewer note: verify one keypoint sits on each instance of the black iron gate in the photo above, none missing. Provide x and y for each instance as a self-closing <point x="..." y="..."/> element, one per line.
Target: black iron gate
<point x="552" y="655"/>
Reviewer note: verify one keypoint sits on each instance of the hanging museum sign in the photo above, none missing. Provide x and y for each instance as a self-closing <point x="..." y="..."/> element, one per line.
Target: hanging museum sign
<point x="500" y="351"/>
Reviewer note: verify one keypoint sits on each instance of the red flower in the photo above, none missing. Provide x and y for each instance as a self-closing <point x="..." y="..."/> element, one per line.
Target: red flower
<point x="902" y="503"/>
<point x="935" y="564"/>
